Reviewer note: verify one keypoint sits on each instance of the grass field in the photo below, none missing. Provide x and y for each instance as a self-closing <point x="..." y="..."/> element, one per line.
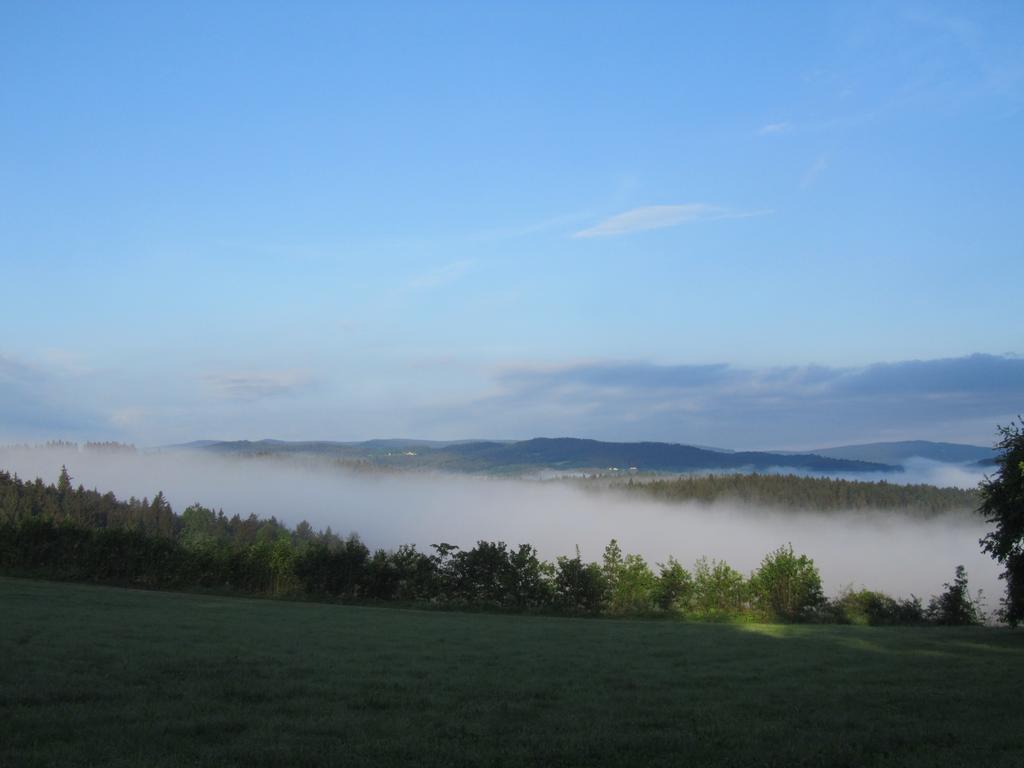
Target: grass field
<point x="102" y="676"/>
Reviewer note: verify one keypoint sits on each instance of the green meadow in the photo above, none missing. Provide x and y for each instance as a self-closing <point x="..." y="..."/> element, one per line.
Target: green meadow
<point x="100" y="676"/>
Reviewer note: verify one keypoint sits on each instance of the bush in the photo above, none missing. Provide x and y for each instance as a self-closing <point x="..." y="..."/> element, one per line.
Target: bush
<point x="955" y="607"/>
<point x="674" y="587"/>
<point x="579" y="586"/>
<point x="718" y="588"/>
<point x="629" y="583"/>
<point x="787" y="586"/>
<point x="872" y="608"/>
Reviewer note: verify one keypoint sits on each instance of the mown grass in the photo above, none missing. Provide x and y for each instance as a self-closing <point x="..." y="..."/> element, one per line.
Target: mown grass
<point x="107" y="677"/>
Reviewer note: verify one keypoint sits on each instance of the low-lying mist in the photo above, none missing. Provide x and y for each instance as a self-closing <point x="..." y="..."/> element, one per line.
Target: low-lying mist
<point x="889" y="552"/>
<point x="929" y="472"/>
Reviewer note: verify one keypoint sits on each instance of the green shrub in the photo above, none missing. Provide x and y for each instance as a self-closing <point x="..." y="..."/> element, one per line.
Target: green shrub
<point x="674" y="587"/>
<point x="579" y="587"/>
<point x="786" y="586"/>
<point x="867" y="607"/>
<point x="955" y="606"/>
<point x="718" y="588"/>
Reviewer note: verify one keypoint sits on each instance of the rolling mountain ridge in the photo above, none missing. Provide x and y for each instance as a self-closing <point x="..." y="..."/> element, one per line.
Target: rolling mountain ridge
<point x="564" y="453"/>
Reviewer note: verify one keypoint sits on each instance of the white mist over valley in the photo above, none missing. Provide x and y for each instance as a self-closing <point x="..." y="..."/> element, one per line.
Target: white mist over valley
<point x="887" y="551"/>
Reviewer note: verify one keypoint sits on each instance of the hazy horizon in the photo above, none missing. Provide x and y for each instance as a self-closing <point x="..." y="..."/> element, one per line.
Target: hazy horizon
<point x="40" y="438"/>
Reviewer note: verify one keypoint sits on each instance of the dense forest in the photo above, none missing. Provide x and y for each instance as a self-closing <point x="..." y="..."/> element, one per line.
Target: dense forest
<point x="62" y="532"/>
<point x="807" y="493"/>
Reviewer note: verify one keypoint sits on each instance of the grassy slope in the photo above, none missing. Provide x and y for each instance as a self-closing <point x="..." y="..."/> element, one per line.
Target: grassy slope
<point x="101" y="676"/>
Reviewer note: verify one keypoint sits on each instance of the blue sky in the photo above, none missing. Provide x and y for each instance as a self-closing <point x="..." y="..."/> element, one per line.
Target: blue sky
<point x="338" y="221"/>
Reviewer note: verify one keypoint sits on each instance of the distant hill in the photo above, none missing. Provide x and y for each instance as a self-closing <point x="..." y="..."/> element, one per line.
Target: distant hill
<point x="195" y="444"/>
<point x="575" y="453"/>
<point x="565" y="453"/>
<point x="900" y="452"/>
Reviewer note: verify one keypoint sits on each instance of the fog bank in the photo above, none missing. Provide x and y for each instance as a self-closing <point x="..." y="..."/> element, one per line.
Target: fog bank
<point x="898" y="555"/>
<point x="929" y="472"/>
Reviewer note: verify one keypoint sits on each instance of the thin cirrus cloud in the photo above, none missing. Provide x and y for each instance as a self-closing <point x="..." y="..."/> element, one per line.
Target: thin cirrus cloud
<point x="813" y="172"/>
<point x="435" y="278"/>
<point x="661" y="217"/>
<point x="773" y="128"/>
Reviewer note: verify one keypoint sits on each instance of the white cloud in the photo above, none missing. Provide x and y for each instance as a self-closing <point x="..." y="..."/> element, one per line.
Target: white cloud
<point x="660" y="217"/>
<point x="770" y="128"/>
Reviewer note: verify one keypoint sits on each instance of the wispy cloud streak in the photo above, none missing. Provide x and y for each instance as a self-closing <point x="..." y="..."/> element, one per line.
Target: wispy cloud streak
<point x="660" y="217"/>
<point x="810" y="176"/>
<point x="447" y="273"/>
<point x="773" y="128"/>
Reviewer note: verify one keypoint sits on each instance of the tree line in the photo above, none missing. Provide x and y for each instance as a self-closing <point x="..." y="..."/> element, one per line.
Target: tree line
<point x="63" y="532"/>
<point x="820" y="494"/>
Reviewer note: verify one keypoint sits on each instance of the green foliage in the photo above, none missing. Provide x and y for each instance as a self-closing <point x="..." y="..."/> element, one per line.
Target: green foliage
<point x="634" y="587"/>
<point x="282" y="557"/>
<point x="718" y="589"/>
<point x="198" y="528"/>
<point x="529" y="583"/>
<point x="1002" y="504"/>
<point x="404" y="575"/>
<point x="673" y="589"/>
<point x="38" y="546"/>
<point x="818" y="494"/>
<point x="481" y="576"/>
<point x="334" y="567"/>
<point x="629" y="583"/>
<point x="579" y="587"/>
<point x="866" y="607"/>
<point x="64" y="483"/>
<point x="611" y="565"/>
<point x="954" y="607"/>
<point x="786" y="586"/>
